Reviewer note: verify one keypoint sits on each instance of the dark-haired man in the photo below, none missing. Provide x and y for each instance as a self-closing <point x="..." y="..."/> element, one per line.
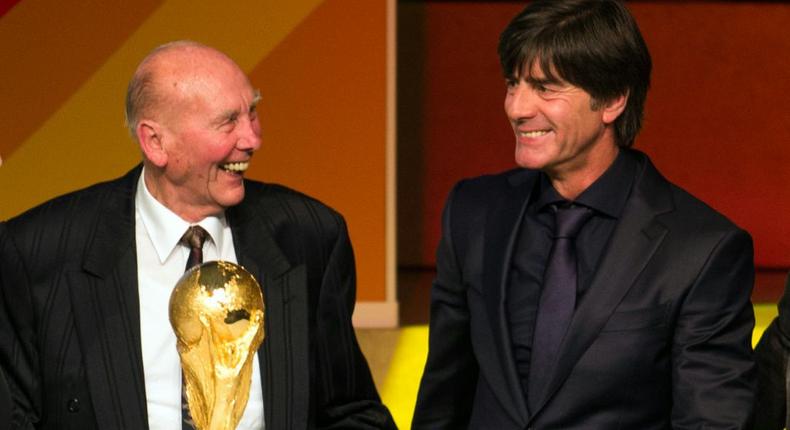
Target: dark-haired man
<point x="85" y="279"/>
<point x="583" y="290"/>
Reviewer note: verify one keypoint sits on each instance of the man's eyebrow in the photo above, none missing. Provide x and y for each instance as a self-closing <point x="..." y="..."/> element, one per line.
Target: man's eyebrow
<point x="256" y="98"/>
<point x="232" y="114"/>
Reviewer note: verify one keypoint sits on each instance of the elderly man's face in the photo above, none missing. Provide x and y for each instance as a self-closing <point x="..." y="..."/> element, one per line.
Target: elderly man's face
<point x="211" y="132"/>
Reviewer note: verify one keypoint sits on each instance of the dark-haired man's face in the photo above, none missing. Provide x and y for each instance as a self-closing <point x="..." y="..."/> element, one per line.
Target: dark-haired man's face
<point x="556" y="129"/>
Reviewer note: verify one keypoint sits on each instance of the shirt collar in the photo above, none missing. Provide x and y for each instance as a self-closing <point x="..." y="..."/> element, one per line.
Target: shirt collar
<point x="607" y="195"/>
<point x="165" y="228"/>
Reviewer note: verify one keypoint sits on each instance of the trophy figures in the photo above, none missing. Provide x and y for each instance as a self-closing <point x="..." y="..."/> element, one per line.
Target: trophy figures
<point x="217" y="313"/>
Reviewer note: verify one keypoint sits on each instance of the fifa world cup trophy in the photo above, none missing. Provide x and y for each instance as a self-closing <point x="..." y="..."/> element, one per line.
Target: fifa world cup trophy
<point x="217" y="312"/>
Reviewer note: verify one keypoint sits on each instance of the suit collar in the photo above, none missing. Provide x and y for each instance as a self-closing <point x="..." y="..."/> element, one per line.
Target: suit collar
<point x="633" y="243"/>
<point x="114" y="226"/>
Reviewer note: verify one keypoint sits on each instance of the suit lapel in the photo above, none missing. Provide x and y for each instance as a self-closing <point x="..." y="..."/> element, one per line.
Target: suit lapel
<point x="283" y="355"/>
<point x="633" y="243"/>
<point x="106" y="312"/>
<point x="501" y="232"/>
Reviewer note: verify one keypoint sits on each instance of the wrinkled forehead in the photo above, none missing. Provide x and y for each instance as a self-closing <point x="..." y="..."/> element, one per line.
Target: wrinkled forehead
<point x="194" y="74"/>
<point x="219" y="85"/>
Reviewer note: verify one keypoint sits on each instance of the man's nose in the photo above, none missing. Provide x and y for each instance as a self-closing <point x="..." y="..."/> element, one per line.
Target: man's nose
<point x="250" y="137"/>
<point x="520" y="102"/>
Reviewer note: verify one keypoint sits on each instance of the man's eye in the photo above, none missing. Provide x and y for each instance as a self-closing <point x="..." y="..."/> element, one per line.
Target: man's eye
<point x="230" y="121"/>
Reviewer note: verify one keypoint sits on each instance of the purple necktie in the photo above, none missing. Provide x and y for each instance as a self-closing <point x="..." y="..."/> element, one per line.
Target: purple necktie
<point x="192" y="239"/>
<point x="557" y="300"/>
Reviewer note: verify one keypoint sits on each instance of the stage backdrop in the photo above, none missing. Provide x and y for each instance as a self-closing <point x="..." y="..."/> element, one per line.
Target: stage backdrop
<point x="322" y="67"/>
<point x="717" y="116"/>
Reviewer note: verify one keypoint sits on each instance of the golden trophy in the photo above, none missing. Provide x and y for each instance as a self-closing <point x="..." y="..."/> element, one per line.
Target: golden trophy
<point x="216" y="311"/>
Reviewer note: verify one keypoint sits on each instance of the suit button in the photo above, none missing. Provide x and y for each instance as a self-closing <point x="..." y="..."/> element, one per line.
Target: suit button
<point x="73" y="405"/>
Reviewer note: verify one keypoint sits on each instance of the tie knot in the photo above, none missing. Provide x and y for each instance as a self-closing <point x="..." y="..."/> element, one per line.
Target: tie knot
<point x="194" y="237"/>
<point x="570" y="220"/>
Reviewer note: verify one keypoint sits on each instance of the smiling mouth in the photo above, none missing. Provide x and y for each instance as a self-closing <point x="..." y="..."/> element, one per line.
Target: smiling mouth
<point x="533" y="133"/>
<point x="238" y="167"/>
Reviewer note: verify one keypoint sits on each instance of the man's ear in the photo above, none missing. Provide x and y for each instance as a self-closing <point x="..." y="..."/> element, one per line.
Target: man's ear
<point x="614" y="108"/>
<point x="149" y="135"/>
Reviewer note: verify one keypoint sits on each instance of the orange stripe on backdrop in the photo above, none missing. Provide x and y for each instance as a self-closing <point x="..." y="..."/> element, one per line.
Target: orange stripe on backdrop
<point x="48" y="50"/>
<point x="324" y="122"/>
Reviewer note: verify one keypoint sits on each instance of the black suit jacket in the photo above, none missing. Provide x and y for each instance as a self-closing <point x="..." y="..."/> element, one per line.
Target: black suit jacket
<point x="772" y="356"/>
<point x="69" y="312"/>
<point x="660" y="340"/>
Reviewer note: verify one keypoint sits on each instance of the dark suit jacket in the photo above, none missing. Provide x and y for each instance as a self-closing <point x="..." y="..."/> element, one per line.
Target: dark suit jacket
<point x="5" y="403"/>
<point x="660" y="340"/>
<point x="772" y="356"/>
<point x="69" y="312"/>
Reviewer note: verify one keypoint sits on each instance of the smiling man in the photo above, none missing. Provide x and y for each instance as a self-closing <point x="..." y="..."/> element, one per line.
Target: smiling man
<point x="583" y="290"/>
<point x="85" y="279"/>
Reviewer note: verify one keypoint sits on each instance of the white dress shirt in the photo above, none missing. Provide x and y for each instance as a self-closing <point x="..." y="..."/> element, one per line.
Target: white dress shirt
<point x="160" y="263"/>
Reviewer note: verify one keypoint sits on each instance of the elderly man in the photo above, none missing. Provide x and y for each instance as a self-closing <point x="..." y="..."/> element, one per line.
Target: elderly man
<point x="585" y="291"/>
<point x="85" y="279"/>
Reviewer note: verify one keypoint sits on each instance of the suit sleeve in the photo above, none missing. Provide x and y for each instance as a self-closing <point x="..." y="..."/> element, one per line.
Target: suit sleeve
<point x="713" y="373"/>
<point x="347" y="395"/>
<point x="449" y="379"/>
<point x="17" y="347"/>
